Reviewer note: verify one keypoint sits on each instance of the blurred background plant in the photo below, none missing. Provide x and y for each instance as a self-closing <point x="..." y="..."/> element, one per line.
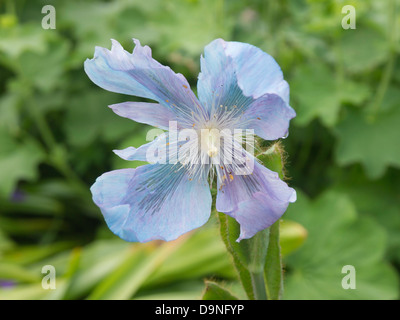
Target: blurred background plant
<point x="56" y="137"/>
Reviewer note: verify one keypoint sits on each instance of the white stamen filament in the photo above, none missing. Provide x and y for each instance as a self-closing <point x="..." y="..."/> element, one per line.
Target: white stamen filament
<point x="212" y="143"/>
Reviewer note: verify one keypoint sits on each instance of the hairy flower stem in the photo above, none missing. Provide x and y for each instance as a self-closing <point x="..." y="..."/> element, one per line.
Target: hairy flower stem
<point x="273" y="271"/>
<point x="258" y="248"/>
<point x="257" y="280"/>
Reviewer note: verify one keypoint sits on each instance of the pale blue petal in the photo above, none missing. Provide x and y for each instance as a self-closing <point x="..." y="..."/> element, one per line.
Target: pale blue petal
<point x="269" y="117"/>
<point x="217" y="84"/>
<point x="257" y="214"/>
<point x="161" y="150"/>
<point x="256" y="201"/>
<point x="227" y="85"/>
<point x="152" y="202"/>
<point x="257" y="72"/>
<point x="154" y="114"/>
<point x="140" y="153"/>
<point x="132" y="153"/>
<point x="138" y="74"/>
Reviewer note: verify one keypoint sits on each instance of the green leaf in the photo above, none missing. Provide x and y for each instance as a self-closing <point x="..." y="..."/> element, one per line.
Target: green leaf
<point x="125" y="280"/>
<point x="372" y="142"/>
<point x="354" y="92"/>
<point x="116" y="20"/>
<point x="24" y="292"/>
<point x="44" y="70"/>
<point x="33" y="203"/>
<point x="18" y="161"/>
<point x="26" y="226"/>
<point x="202" y="254"/>
<point x="9" y="120"/>
<point x="89" y="117"/>
<point x="379" y="200"/>
<point x="64" y="282"/>
<point x="22" y="38"/>
<point x="320" y="95"/>
<point x="363" y="48"/>
<point x="214" y="291"/>
<point x="5" y="242"/>
<point x="196" y="24"/>
<point x="314" y="88"/>
<point x="25" y="255"/>
<point x="98" y="260"/>
<point x="337" y="237"/>
<point x="15" y="272"/>
<point x="186" y="290"/>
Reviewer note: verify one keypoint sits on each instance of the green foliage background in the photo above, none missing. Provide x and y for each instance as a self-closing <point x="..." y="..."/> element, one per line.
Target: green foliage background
<point x="56" y="137"/>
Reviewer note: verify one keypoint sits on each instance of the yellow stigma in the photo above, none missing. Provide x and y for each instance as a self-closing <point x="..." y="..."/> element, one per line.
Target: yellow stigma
<point x="212" y="151"/>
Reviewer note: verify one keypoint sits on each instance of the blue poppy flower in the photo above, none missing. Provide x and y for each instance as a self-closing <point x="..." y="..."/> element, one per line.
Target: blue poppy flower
<point x="239" y="86"/>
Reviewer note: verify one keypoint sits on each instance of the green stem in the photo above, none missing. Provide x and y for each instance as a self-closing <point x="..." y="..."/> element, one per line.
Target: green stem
<point x="273" y="266"/>
<point x="43" y="128"/>
<point x="387" y="73"/>
<point x="383" y="85"/>
<point x="257" y="247"/>
<point x="248" y="256"/>
<point x="73" y="179"/>
<point x="257" y="280"/>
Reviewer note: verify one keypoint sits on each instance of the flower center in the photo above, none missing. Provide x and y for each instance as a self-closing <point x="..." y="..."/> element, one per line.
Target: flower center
<point x="211" y="142"/>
